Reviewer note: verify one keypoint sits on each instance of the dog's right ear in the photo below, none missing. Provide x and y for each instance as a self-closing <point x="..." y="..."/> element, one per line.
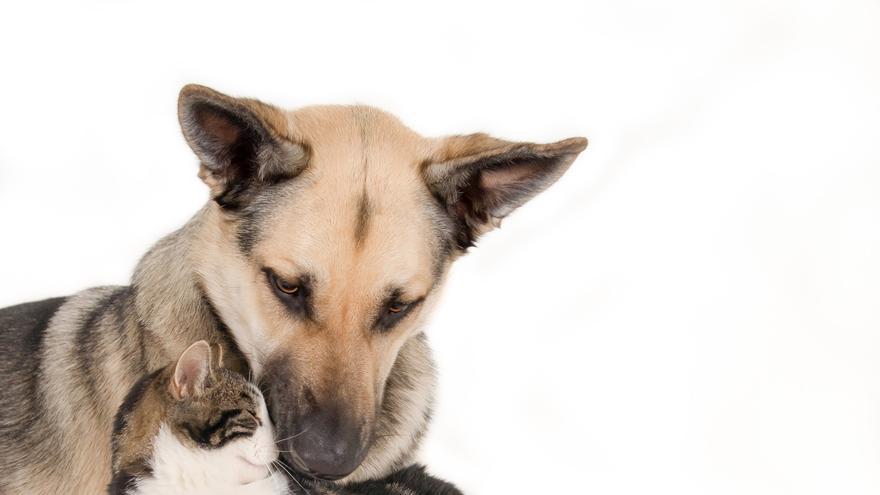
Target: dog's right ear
<point x="193" y="370"/>
<point x="242" y="143"/>
<point x="481" y="179"/>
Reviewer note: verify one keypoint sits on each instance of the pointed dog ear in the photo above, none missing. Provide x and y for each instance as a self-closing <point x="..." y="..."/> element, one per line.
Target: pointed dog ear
<point x="481" y="179"/>
<point x="193" y="369"/>
<point x="242" y="143"/>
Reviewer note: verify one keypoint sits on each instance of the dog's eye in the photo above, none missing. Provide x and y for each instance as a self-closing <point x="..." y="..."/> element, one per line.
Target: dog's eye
<point x="283" y="287"/>
<point x="286" y="287"/>
<point x="397" y="307"/>
<point x="294" y="295"/>
<point x="394" y="312"/>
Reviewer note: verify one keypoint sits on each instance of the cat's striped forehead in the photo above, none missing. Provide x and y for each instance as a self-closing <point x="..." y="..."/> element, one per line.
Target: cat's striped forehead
<point x="229" y="408"/>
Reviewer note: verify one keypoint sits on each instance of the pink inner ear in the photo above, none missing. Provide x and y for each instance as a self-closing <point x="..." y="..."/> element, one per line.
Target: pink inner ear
<point x="192" y="369"/>
<point x="219" y="127"/>
<point x="510" y="175"/>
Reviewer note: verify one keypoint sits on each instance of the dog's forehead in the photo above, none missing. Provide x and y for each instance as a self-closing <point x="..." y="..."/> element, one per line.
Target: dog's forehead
<point x="361" y="209"/>
<point x="340" y="130"/>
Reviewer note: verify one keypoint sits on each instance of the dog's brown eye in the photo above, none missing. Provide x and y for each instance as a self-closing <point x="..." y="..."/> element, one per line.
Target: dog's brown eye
<point x="294" y="295"/>
<point x="286" y="287"/>
<point x="394" y="311"/>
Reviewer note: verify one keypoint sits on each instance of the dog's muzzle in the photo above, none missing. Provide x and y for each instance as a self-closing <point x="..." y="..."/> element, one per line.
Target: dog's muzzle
<point x="327" y="445"/>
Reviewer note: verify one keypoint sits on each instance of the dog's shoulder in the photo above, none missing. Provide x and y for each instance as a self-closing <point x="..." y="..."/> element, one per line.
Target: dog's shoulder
<point x="22" y="327"/>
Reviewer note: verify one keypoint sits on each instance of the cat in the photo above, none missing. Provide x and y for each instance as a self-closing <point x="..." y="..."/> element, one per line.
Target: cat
<point x="195" y="428"/>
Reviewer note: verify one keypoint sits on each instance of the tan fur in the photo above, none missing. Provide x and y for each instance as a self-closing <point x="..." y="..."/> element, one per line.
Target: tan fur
<point x="314" y="234"/>
<point x="362" y="214"/>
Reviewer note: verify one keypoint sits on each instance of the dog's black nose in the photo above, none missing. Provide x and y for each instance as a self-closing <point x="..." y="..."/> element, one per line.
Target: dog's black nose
<point x="329" y="446"/>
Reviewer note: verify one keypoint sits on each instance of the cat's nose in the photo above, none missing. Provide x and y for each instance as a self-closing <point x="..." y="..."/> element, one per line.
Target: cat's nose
<point x="330" y="445"/>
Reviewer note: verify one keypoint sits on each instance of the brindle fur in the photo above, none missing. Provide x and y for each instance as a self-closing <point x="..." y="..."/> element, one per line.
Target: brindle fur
<point x="195" y="420"/>
<point x="345" y="198"/>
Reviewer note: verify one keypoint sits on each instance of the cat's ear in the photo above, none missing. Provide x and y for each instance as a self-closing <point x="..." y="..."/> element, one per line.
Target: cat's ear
<point x="481" y="179"/>
<point x="218" y="355"/>
<point x="192" y="371"/>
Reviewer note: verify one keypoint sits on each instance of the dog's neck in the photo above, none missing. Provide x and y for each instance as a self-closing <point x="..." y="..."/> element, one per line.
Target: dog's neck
<point x="170" y="301"/>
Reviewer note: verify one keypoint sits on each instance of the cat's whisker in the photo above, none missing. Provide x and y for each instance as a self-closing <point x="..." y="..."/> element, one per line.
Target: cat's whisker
<point x="291" y="437"/>
<point x="284" y="468"/>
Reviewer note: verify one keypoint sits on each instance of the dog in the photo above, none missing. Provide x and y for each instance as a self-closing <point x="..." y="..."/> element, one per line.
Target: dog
<point x="322" y="250"/>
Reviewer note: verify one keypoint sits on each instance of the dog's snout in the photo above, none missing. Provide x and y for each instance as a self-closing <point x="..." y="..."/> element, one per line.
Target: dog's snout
<point x="325" y="431"/>
<point x="329" y="445"/>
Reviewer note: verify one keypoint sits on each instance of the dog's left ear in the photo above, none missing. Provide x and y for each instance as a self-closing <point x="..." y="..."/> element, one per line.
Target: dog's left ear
<point x="242" y="143"/>
<point x="481" y="179"/>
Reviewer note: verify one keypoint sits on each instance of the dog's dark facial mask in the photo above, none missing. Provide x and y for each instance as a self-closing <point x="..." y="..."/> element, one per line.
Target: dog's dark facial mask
<point x="331" y="232"/>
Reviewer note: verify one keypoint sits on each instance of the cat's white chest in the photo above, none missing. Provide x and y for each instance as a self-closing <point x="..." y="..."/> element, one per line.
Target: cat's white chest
<point x="178" y="470"/>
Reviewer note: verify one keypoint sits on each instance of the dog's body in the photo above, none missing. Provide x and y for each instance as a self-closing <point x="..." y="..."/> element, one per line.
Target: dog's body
<point x="328" y="238"/>
<point x="67" y="364"/>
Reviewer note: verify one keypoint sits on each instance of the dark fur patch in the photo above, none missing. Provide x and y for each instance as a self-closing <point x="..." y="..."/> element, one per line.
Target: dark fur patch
<point x="476" y="191"/>
<point x="240" y="151"/>
<point x="122" y="477"/>
<point x="252" y="216"/>
<point x="22" y="328"/>
<point x="22" y="332"/>
<point x="121" y="483"/>
<point x="88" y="343"/>
<point x="221" y="427"/>
<point x="362" y="220"/>
<point x="413" y="480"/>
<point x="126" y="409"/>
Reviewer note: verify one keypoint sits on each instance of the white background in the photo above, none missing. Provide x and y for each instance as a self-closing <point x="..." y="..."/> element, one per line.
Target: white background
<point x="692" y="309"/>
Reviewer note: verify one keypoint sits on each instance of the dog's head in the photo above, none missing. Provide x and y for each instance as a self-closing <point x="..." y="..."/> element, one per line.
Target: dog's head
<point x="332" y="229"/>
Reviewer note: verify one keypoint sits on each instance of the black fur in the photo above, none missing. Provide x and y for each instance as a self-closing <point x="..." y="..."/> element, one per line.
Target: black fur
<point x="236" y="146"/>
<point x="128" y="404"/>
<point x="86" y="341"/>
<point x="411" y="480"/>
<point x="470" y="204"/>
<point x="121" y="483"/>
<point x="22" y="328"/>
<point x="229" y="426"/>
<point x="363" y="218"/>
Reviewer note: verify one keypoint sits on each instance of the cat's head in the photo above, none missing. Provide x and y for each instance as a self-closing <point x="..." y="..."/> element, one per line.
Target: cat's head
<point x="220" y="413"/>
<point x="197" y="415"/>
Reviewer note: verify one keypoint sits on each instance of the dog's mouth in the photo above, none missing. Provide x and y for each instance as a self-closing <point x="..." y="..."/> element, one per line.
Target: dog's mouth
<point x="292" y="460"/>
<point x="298" y="469"/>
